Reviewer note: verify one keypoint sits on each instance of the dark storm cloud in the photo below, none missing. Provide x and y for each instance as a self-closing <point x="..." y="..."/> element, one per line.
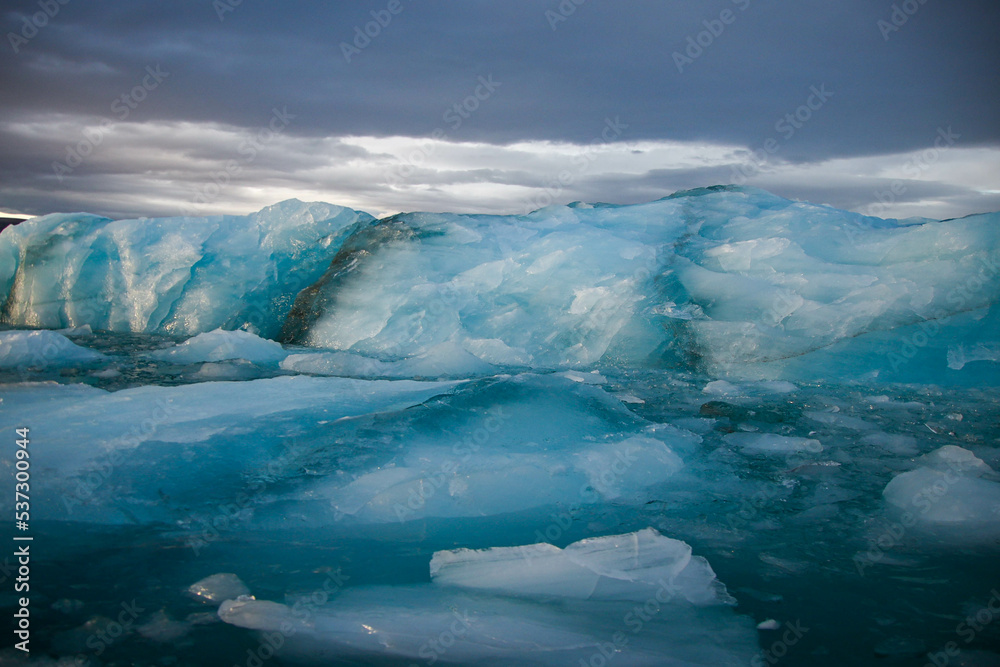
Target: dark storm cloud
<point x="561" y="72"/>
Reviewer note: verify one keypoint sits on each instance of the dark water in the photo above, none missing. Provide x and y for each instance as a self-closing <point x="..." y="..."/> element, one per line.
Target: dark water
<point x="813" y="546"/>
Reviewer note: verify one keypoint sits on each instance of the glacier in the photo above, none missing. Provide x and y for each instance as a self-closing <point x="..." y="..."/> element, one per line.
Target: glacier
<point x="718" y="428"/>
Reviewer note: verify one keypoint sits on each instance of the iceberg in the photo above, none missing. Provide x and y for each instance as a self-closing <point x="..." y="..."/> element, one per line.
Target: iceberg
<point x="618" y="567"/>
<point x="733" y="281"/>
<point x="643" y="600"/>
<point x="219" y="345"/>
<point x="218" y="588"/>
<point x="40" y="349"/>
<point x="771" y="443"/>
<point x="504" y="445"/>
<point x="446" y="360"/>
<point x="951" y="487"/>
<point x="164" y="454"/>
<point x="181" y="276"/>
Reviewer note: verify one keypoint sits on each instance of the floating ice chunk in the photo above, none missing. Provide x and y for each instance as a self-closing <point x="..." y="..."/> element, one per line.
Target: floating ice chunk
<point x="731" y="280"/>
<point x="726" y="388"/>
<point x="617" y="567"/>
<point x="377" y="624"/>
<point x="635" y="463"/>
<point x="951" y="487"/>
<point x="83" y="330"/>
<point x="218" y="587"/>
<point x="896" y="443"/>
<point x="769" y="624"/>
<point x="771" y="443"/>
<point x="512" y="443"/>
<point x="343" y="364"/>
<point x="838" y="419"/>
<point x="155" y="434"/>
<point x="534" y="605"/>
<point x="219" y="345"/>
<point x="721" y="388"/>
<point x="937" y="497"/>
<point x="776" y="386"/>
<point x="543" y="440"/>
<point x="447" y="360"/>
<point x="236" y="369"/>
<point x="958" y="356"/>
<point x="67" y="605"/>
<point x="38" y="349"/>
<point x="952" y="458"/>
<point x="163" y="629"/>
<point x="592" y="377"/>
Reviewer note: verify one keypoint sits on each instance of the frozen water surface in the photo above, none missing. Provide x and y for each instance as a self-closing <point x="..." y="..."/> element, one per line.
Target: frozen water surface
<point x="720" y="428"/>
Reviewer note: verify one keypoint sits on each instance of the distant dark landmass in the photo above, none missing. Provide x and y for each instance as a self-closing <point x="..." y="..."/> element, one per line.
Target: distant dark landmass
<point x="6" y="222"/>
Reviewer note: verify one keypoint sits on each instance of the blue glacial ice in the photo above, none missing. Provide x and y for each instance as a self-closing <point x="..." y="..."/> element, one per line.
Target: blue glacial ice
<point x="155" y="453"/>
<point x="507" y="445"/>
<point x="311" y="406"/>
<point x="172" y="275"/>
<point x="35" y="349"/>
<point x="734" y="281"/>
<point x="950" y="486"/>
<point x="529" y="605"/>
<point x="730" y="280"/>
<point x="220" y="345"/>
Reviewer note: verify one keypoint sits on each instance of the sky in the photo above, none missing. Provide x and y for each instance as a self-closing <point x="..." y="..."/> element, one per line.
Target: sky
<point x="143" y="108"/>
